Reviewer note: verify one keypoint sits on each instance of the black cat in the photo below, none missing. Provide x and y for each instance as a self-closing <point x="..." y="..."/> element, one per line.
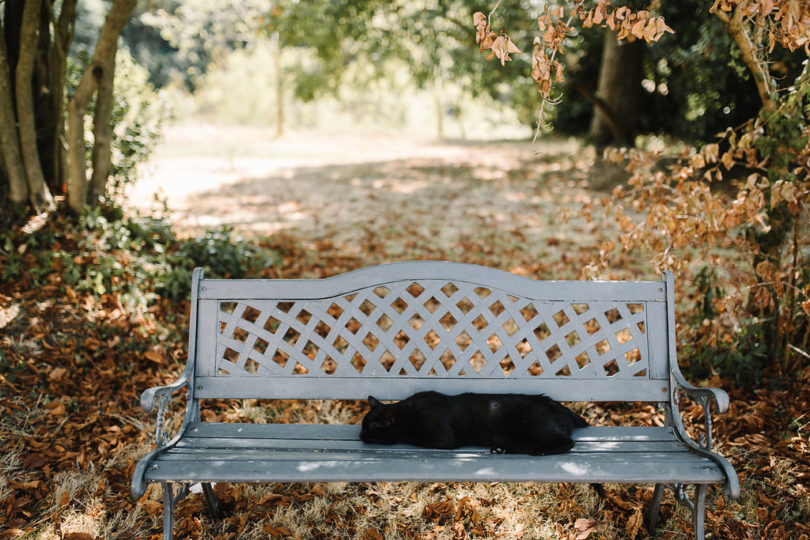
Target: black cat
<point x="511" y="423"/>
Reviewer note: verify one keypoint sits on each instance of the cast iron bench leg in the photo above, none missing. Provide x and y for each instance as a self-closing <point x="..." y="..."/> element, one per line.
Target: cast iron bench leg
<point x="214" y="504"/>
<point x="169" y="502"/>
<point x="168" y="510"/>
<point x="699" y="510"/>
<point x="655" y="505"/>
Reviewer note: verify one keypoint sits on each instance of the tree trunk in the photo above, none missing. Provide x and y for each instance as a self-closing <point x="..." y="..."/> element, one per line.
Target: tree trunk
<point x="62" y="39"/>
<point x="102" y="132"/>
<point x="13" y="14"/>
<point x="46" y="115"/>
<point x="279" y="84"/>
<point x="619" y="91"/>
<point x="38" y="191"/>
<point x="437" y="106"/>
<point x="91" y="80"/>
<point x="12" y="160"/>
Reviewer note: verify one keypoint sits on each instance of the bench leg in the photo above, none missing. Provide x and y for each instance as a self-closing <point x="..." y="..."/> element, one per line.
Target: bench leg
<point x="168" y="510"/>
<point x="214" y="504"/>
<point x="655" y="505"/>
<point x="699" y="510"/>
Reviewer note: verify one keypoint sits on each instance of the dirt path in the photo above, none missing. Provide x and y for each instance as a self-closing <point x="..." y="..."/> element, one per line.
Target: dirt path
<point x="496" y="202"/>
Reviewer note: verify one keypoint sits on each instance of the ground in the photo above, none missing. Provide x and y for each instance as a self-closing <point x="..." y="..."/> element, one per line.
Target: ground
<point x="74" y="362"/>
<point x="392" y="198"/>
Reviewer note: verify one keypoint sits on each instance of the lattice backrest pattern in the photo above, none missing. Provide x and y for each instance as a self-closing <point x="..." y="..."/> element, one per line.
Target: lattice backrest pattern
<point x="431" y="328"/>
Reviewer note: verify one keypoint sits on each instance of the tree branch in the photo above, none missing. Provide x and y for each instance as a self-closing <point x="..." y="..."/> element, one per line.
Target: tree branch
<point x="758" y="67"/>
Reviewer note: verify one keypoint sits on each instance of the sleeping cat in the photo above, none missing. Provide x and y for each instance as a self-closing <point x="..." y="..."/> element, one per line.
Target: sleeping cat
<point x="511" y="423"/>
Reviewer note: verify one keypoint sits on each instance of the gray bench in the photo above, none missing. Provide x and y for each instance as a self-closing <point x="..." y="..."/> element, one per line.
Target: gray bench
<point x="397" y="329"/>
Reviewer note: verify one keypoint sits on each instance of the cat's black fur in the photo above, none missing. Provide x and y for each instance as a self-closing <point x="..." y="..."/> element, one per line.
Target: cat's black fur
<point x="511" y="423"/>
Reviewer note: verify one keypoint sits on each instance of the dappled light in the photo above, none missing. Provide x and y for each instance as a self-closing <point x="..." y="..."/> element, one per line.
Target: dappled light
<point x="288" y="139"/>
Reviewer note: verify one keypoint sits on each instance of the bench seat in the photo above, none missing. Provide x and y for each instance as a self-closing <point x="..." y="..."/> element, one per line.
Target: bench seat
<point x="226" y="452"/>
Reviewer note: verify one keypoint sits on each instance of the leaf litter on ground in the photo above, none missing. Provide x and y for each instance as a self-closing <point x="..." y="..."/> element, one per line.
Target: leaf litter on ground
<point x="73" y="364"/>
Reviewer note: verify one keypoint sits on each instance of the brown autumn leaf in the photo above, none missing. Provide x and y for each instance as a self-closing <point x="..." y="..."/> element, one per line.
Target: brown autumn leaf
<point x="502" y="47"/>
<point x="584" y="528"/>
<point x="372" y="534"/>
<point x="634" y="523"/>
<point x="57" y="374"/>
<point x="155" y="355"/>
<point x="78" y="536"/>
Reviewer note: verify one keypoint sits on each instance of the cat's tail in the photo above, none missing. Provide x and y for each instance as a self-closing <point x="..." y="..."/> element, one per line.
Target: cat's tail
<point x="578" y="421"/>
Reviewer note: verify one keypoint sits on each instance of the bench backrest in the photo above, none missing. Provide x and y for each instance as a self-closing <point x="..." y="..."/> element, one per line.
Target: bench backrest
<point x="396" y="329"/>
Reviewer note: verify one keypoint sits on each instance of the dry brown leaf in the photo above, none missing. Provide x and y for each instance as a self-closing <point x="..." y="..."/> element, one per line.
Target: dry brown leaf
<point x="502" y="47"/>
<point x="78" y="536"/>
<point x="57" y="374"/>
<point x="634" y="523"/>
<point x="585" y="527"/>
<point x="156" y="356"/>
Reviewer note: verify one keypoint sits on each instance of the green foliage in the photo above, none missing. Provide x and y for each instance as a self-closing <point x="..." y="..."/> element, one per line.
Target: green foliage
<point x="689" y="90"/>
<point x="742" y="357"/>
<point x="136" y="259"/>
<point x="138" y="116"/>
<point x="221" y="254"/>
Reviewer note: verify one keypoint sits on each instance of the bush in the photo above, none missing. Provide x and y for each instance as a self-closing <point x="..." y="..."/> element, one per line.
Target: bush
<point x="137" y="259"/>
<point x="221" y="254"/>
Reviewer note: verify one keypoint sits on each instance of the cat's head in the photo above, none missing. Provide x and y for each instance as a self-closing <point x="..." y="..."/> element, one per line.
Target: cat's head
<point x="379" y="425"/>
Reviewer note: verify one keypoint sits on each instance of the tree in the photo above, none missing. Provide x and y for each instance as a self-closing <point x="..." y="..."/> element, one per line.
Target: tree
<point x="684" y="218"/>
<point x="97" y="79"/>
<point x="33" y="64"/>
<point x="618" y="93"/>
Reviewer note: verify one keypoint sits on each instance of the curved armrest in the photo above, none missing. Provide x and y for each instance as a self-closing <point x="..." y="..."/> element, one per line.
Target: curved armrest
<point x="703" y="396"/>
<point x="149" y="395"/>
<point x="720" y="396"/>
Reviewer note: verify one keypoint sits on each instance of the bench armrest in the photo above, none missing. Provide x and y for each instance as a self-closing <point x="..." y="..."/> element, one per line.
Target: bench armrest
<point x="162" y="395"/>
<point x="704" y="397"/>
<point x="701" y="395"/>
<point x="149" y="395"/>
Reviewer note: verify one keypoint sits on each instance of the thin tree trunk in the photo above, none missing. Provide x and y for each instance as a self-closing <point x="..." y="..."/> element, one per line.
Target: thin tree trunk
<point x="46" y="114"/>
<point x="63" y="37"/>
<point x="38" y="191"/>
<point x="460" y="120"/>
<point x="91" y="79"/>
<point x="102" y="132"/>
<point x="279" y="84"/>
<point x="12" y="160"/>
<point x="619" y="90"/>
<point x="437" y="106"/>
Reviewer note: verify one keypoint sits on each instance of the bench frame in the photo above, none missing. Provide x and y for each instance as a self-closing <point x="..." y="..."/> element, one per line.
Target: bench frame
<point x="603" y="341"/>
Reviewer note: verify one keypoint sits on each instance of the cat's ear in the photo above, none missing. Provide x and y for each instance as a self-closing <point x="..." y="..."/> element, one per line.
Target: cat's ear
<point x="374" y="402"/>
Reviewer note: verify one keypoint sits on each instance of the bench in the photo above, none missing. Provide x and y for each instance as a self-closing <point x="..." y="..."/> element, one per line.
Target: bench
<point x="396" y="329"/>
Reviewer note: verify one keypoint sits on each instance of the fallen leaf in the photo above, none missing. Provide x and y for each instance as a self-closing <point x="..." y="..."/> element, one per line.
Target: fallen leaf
<point x="57" y="374"/>
<point x="155" y="356"/>
<point x="634" y="523"/>
<point x="78" y="536"/>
